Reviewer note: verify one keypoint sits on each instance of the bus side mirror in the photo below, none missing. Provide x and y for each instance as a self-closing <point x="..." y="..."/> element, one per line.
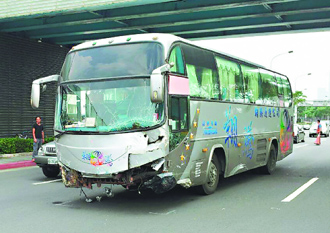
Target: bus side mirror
<point x="35" y="91"/>
<point x="157" y="84"/>
<point x="35" y="95"/>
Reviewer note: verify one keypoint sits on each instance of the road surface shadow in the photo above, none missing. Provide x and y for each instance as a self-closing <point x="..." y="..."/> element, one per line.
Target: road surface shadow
<point x="132" y="203"/>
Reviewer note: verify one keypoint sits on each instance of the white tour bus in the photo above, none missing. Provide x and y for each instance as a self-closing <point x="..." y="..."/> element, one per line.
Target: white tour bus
<point x="151" y="111"/>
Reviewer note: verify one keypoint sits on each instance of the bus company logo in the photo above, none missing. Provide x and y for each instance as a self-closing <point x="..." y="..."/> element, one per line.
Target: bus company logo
<point x="266" y="112"/>
<point x="230" y="127"/>
<point x="97" y="158"/>
<point x="248" y="141"/>
<point x="210" y="127"/>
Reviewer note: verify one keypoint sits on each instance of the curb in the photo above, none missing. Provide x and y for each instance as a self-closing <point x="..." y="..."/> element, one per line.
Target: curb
<point x="18" y="164"/>
<point x="16" y="155"/>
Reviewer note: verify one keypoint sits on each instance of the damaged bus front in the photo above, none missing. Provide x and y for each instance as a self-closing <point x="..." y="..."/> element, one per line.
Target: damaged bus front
<point x="109" y="123"/>
<point x="155" y="110"/>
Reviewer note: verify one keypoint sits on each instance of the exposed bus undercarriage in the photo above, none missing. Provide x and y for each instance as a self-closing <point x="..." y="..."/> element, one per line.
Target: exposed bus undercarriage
<point x="149" y="176"/>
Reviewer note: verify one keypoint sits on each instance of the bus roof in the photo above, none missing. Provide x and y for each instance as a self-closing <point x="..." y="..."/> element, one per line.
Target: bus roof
<point x="166" y="39"/>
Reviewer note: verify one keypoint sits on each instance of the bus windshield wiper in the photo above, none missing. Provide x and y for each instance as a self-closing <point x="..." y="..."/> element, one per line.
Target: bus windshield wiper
<point x="60" y="134"/>
<point x="73" y="132"/>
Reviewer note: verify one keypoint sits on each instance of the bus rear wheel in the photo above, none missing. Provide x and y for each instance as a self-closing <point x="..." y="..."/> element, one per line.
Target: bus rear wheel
<point x="212" y="178"/>
<point x="269" y="168"/>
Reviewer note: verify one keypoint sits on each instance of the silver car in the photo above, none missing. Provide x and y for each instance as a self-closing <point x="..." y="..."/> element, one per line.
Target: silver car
<point x="47" y="160"/>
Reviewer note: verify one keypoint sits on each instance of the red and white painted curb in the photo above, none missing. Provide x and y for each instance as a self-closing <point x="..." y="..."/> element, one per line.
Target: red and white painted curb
<point x="18" y="164"/>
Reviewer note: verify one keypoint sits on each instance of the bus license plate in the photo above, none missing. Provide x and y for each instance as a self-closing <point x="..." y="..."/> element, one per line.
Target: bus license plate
<point x="52" y="160"/>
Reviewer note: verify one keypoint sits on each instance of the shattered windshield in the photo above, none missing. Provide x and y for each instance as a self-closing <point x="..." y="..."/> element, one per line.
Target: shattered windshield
<point x="124" y="60"/>
<point x="107" y="106"/>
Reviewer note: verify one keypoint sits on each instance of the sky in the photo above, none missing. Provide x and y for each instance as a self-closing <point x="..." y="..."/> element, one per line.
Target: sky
<point x="311" y="54"/>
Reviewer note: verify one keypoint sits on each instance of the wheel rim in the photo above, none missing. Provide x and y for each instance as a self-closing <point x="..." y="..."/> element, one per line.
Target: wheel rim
<point x="212" y="175"/>
<point x="273" y="160"/>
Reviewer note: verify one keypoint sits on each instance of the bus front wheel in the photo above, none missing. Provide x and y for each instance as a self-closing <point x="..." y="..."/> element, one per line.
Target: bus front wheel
<point x="212" y="178"/>
<point x="269" y="168"/>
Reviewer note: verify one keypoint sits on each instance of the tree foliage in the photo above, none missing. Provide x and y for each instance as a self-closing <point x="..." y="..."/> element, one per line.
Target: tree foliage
<point x="314" y="112"/>
<point x="309" y="112"/>
<point x="299" y="97"/>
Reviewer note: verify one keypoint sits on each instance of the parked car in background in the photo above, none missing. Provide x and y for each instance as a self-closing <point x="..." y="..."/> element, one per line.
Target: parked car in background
<point x="298" y="134"/>
<point x="47" y="160"/>
<point x="324" y="131"/>
<point x="306" y="126"/>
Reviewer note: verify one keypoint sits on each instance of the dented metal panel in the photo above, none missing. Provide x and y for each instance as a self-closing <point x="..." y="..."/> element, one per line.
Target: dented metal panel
<point x="108" y="154"/>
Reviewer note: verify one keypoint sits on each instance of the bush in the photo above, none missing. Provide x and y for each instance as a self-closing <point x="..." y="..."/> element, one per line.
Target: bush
<point x="18" y="145"/>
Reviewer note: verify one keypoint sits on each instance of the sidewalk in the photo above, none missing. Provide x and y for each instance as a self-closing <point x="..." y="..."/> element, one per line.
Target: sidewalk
<point x="18" y="160"/>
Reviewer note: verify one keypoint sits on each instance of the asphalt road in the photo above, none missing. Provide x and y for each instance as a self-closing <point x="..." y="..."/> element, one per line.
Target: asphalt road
<point x="248" y="202"/>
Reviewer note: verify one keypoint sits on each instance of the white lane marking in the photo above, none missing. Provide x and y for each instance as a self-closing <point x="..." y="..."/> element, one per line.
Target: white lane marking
<point x="47" y="182"/>
<point x="170" y="212"/>
<point x="17" y="169"/>
<point x="301" y="146"/>
<point x="299" y="190"/>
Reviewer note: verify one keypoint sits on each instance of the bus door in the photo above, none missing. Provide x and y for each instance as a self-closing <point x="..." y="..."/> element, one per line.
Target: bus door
<point x="179" y="141"/>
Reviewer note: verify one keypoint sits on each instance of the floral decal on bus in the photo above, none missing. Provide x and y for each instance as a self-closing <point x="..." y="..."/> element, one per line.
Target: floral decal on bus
<point x="230" y="127"/>
<point x="96" y="158"/>
<point x="248" y="141"/>
<point x="285" y="132"/>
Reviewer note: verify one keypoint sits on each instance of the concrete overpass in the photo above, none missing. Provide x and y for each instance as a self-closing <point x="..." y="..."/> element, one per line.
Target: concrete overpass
<point x="315" y="103"/>
<point x="70" y="22"/>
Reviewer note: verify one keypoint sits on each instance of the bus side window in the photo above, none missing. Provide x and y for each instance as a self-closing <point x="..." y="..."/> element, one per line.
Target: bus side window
<point x="177" y="60"/>
<point x="287" y="92"/>
<point x="251" y="78"/>
<point x="239" y="86"/>
<point x="231" y="81"/>
<point x="280" y="90"/>
<point x="202" y="72"/>
<point x="179" y="120"/>
<point x="194" y="86"/>
<point x="269" y="88"/>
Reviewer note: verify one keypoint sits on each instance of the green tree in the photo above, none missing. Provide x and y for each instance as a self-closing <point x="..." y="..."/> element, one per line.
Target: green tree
<point x="314" y="112"/>
<point x="308" y="111"/>
<point x="322" y="112"/>
<point x="299" y="97"/>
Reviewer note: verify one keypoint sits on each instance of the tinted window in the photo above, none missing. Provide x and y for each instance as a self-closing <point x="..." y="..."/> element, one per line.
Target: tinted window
<point x="269" y="88"/>
<point x="113" y="61"/>
<point x="202" y="72"/>
<point x="179" y="113"/>
<point x="280" y="89"/>
<point x="231" y="81"/>
<point x="177" y="60"/>
<point x="251" y="83"/>
<point x="287" y="92"/>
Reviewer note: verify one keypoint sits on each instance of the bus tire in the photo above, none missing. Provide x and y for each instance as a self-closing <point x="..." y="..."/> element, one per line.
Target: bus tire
<point x="213" y="177"/>
<point x="51" y="171"/>
<point x="269" y="168"/>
